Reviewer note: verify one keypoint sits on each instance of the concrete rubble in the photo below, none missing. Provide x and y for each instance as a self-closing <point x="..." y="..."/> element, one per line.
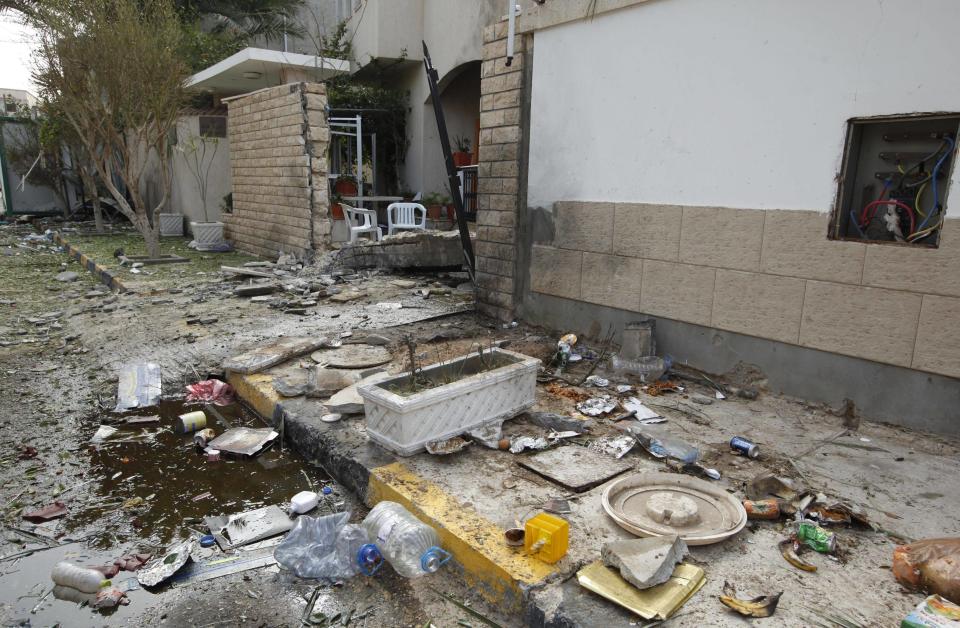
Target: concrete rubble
<point x="646" y="562"/>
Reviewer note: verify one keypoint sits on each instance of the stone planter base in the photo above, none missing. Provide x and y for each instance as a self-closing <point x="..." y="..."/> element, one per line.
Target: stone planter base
<point x="171" y="225"/>
<point x="207" y="234"/>
<point x="404" y="424"/>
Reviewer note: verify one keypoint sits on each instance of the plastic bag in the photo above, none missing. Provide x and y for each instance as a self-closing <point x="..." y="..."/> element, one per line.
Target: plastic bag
<point x="220" y="393"/>
<point x="327" y="547"/>
<point x="931" y="565"/>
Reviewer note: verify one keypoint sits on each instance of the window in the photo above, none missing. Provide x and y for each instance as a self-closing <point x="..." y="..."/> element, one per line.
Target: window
<point x="895" y="179"/>
<point x="213" y="126"/>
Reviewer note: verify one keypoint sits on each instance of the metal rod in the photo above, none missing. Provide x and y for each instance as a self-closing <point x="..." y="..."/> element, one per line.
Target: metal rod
<point x="453" y="180"/>
<point x="511" y="29"/>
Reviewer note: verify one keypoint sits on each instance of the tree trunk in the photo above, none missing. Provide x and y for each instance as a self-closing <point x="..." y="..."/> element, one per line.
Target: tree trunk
<point x="90" y="187"/>
<point x="151" y="238"/>
<point x="97" y="214"/>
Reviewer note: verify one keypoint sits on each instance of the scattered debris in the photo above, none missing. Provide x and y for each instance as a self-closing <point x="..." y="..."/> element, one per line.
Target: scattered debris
<point x="933" y="612"/>
<point x="353" y="356"/>
<point x="166" y="565"/>
<point x="762" y="606"/>
<point x="616" y="446"/>
<point x="656" y="504"/>
<point x="789" y="549"/>
<point x="103" y="433"/>
<point x="595" y="406"/>
<point x="244" y="441"/>
<point x="211" y="391"/>
<point x="931" y="565"/>
<point x="243" y="528"/>
<point x="67" y="276"/>
<point x="514" y="537"/>
<point x="659" y="602"/>
<point x="646" y="562"/>
<point x="575" y="468"/>
<point x="262" y="358"/>
<point x="557" y="506"/>
<point x="446" y="447"/>
<point x="52" y="511"/>
<point x="139" y="386"/>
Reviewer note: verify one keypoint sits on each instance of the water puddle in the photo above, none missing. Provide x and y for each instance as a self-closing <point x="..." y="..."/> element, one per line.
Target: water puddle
<point x="145" y="487"/>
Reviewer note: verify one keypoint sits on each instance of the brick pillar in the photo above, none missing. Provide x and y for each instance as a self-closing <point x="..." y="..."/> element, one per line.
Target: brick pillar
<point x="278" y="157"/>
<point x="499" y="171"/>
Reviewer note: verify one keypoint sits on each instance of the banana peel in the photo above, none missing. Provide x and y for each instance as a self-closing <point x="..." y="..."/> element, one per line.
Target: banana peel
<point x="790" y="555"/>
<point x="762" y="606"/>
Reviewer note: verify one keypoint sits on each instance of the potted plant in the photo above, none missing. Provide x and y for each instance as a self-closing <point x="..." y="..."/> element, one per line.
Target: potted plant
<point x="462" y="156"/>
<point x="435" y="202"/>
<point x="199" y="157"/>
<point x="336" y="209"/>
<point x="345" y="185"/>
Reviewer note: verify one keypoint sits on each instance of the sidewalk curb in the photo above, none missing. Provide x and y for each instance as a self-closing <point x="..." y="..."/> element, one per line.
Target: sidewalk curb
<point x="102" y="274"/>
<point x="502" y="575"/>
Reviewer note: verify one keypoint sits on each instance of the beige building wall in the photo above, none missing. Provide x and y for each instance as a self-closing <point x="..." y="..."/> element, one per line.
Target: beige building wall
<point x="278" y="140"/>
<point x="769" y="274"/>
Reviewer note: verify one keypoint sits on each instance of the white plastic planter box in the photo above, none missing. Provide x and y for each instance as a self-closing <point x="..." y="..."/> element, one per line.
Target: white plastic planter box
<point x="207" y="234"/>
<point x="404" y="424"/>
<point x="171" y="225"/>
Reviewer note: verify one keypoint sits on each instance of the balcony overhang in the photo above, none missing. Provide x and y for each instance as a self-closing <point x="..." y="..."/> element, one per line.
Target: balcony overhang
<point x="256" y="68"/>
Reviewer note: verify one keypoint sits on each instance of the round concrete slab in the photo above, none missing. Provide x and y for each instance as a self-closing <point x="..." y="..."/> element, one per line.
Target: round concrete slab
<point x="657" y="504"/>
<point x="352" y="356"/>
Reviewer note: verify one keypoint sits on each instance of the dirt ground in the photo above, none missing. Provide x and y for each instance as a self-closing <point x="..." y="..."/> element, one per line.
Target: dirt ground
<point x="62" y="344"/>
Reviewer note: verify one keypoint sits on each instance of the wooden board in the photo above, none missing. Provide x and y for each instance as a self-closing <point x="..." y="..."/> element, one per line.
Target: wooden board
<point x="574" y="467"/>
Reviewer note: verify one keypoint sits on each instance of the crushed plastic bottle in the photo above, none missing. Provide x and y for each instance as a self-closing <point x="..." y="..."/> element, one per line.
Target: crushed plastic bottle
<point x="410" y="546"/>
<point x="80" y="578"/>
<point x="328" y="547"/>
<point x="662" y="444"/>
<point x="648" y="369"/>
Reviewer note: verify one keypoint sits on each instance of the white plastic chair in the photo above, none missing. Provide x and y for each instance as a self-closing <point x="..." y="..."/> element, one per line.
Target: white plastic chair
<point x="404" y="216"/>
<point x="361" y="220"/>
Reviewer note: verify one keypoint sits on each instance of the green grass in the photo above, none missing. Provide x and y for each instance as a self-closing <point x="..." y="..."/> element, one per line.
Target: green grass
<point x="101" y="248"/>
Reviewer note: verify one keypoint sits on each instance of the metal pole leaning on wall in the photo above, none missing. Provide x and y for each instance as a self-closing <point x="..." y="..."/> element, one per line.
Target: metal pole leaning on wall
<point x="453" y="179"/>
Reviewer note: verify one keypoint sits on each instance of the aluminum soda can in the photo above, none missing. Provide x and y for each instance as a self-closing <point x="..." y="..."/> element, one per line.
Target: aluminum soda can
<point x="744" y="447"/>
<point x="768" y="509"/>
<point x="817" y="538"/>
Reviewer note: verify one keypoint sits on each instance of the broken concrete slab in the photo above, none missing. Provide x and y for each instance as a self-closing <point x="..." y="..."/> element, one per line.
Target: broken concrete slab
<point x="404" y="283"/>
<point x="574" y="467"/>
<point x="327" y="382"/>
<point x="348" y="400"/>
<point x="255" y="290"/>
<point x="67" y="275"/>
<point x="258" y="359"/>
<point x="353" y="356"/>
<point x="645" y="562"/>
<point x="349" y="295"/>
<point x="248" y="272"/>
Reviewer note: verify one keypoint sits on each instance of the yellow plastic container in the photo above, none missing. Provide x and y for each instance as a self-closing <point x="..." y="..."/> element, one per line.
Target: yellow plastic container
<point x="546" y="537"/>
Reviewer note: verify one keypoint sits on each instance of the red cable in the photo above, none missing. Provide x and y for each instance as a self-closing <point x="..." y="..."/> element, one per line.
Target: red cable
<point x="907" y="208"/>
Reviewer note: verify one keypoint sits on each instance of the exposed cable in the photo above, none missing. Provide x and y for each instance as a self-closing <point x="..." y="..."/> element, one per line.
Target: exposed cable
<point x="936" y="194"/>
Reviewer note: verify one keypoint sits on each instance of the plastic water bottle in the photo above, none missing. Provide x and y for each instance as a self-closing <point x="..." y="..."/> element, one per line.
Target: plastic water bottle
<point x="79" y="578"/>
<point x="409" y="545"/>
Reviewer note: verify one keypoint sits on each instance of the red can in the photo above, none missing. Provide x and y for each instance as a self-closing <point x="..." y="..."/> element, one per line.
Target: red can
<point x="768" y="509"/>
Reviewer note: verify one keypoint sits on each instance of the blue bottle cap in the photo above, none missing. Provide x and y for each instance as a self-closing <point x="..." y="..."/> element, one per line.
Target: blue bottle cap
<point x="207" y="540"/>
<point x="369" y="559"/>
<point x="433" y="559"/>
<point x="326" y="490"/>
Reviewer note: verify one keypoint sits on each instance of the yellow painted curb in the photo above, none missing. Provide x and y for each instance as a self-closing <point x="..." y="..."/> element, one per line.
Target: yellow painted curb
<point x="475" y="542"/>
<point x="257" y="391"/>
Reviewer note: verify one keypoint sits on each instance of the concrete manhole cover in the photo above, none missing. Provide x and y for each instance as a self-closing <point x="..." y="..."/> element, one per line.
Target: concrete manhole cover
<point x="352" y="356"/>
<point x="657" y="504"/>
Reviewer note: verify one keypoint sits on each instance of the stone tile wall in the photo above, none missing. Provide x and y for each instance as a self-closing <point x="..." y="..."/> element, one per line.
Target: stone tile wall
<point x="770" y="274"/>
<point x="498" y="182"/>
<point x="278" y="157"/>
